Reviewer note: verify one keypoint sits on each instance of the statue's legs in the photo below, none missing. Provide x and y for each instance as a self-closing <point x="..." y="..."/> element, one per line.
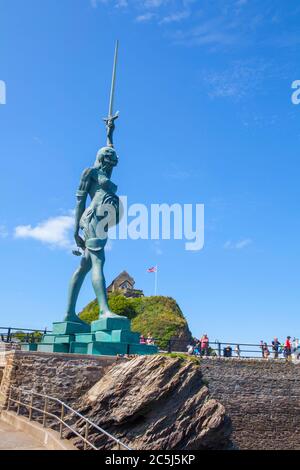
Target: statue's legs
<point x="98" y="280"/>
<point x="75" y="286"/>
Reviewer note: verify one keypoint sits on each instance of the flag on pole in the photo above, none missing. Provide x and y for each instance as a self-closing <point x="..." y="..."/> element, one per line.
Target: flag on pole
<point x="152" y="270"/>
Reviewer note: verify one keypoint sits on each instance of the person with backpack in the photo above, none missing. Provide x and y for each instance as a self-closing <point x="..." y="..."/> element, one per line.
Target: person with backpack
<point x="227" y="352"/>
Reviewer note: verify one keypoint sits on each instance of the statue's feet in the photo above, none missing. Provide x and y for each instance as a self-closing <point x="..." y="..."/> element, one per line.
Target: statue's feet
<point x="74" y="319"/>
<point x="109" y="314"/>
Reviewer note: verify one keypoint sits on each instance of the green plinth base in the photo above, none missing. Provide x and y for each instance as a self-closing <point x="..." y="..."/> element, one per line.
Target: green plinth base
<point x="105" y="324"/>
<point x="84" y="337"/>
<point x="104" y="337"/>
<point x="142" y="349"/>
<point x="29" y="347"/>
<point x="61" y="339"/>
<point x="55" y="348"/>
<point x="78" y="348"/>
<point x="48" y="339"/>
<point x="118" y="336"/>
<point x="68" y="328"/>
<point x="106" y="348"/>
<point x="58" y="339"/>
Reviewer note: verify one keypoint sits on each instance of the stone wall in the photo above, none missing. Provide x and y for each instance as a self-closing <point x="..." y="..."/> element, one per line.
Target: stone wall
<point x="63" y="376"/>
<point x="261" y="397"/>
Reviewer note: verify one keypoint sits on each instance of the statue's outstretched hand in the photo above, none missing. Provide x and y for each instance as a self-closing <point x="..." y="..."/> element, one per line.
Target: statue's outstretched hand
<point x="79" y="241"/>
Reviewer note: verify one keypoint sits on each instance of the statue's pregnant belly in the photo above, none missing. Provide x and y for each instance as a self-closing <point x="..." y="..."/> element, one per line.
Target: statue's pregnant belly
<point x="103" y="205"/>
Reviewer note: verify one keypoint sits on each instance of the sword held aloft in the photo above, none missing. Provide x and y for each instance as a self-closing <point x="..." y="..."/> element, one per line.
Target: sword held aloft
<point x="110" y="120"/>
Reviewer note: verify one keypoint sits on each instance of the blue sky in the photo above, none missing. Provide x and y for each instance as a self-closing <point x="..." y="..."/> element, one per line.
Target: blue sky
<point x="204" y="92"/>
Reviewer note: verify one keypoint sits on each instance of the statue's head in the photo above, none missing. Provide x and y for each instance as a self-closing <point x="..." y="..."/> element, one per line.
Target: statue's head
<point x="106" y="159"/>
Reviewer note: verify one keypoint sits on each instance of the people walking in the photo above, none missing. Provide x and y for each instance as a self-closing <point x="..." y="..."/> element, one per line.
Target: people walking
<point x="227" y="352"/>
<point x="296" y="349"/>
<point x="275" y="348"/>
<point x="142" y="339"/>
<point x="288" y="348"/>
<point x="204" y="345"/>
<point x="237" y="351"/>
<point x="261" y="345"/>
<point x="266" y="352"/>
<point x="149" y="339"/>
<point x="197" y="348"/>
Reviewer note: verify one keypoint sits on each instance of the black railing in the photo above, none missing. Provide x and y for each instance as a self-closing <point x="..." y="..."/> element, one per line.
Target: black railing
<point x="24" y="335"/>
<point x="215" y="349"/>
<point x="225" y="349"/>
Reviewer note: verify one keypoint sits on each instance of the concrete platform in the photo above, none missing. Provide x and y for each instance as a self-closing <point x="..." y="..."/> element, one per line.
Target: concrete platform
<point x="12" y="439"/>
<point x="18" y="433"/>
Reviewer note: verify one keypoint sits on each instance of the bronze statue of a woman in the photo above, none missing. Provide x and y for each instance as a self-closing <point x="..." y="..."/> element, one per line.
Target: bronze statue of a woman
<point x="94" y="220"/>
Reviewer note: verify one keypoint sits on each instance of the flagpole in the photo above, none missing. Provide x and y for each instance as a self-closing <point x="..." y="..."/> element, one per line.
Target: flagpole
<point x="155" y="282"/>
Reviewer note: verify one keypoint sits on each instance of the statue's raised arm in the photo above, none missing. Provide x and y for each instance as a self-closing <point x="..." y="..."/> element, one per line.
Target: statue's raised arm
<point x="110" y="127"/>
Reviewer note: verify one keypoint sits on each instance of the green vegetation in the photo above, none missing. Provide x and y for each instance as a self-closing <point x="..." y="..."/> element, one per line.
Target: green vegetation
<point x="27" y="337"/>
<point x="183" y="357"/>
<point x="160" y="316"/>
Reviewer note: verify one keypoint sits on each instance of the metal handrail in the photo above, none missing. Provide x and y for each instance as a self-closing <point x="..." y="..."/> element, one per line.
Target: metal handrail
<point x="64" y="406"/>
<point x="8" y="333"/>
<point x="247" y="350"/>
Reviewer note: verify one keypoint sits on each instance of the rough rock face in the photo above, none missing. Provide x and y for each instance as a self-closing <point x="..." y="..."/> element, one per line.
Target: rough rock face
<point x="183" y="339"/>
<point x="155" y="402"/>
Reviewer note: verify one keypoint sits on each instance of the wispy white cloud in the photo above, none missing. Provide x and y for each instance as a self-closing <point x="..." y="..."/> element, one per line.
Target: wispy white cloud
<point x="144" y="18"/>
<point x="212" y="32"/>
<point x="55" y="231"/>
<point x="239" y="80"/>
<point x="214" y="25"/>
<point x="176" y="17"/>
<point x="153" y="3"/>
<point x="164" y="11"/>
<point x="145" y="4"/>
<point x="239" y="245"/>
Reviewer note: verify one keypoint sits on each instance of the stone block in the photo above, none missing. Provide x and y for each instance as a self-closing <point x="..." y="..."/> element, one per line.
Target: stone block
<point x="107" y="348"/>
<point x="29" y="346"/>
<point x="48" y="339"/>
<point x="56" y="348"/>
<point x="61" y="339"/>
<point x="68" y="328"/>
<point x="142" y="349"/>
<point x="78" y="348"/>
<point x="84" y="337"/>
<point x="118" y="336"/>
<point x="106" y="324"/>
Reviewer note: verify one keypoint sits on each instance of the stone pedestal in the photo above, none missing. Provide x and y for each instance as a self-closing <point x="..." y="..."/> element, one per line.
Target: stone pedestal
<point x="62" y="336"/>
<point x="104" y="337"/>
<point x="69" y="327"/>
<point x="29" y="346"/>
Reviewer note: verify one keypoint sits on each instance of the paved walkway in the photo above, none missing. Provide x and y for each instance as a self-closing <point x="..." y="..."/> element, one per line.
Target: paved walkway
<point x="10" y="439"/>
